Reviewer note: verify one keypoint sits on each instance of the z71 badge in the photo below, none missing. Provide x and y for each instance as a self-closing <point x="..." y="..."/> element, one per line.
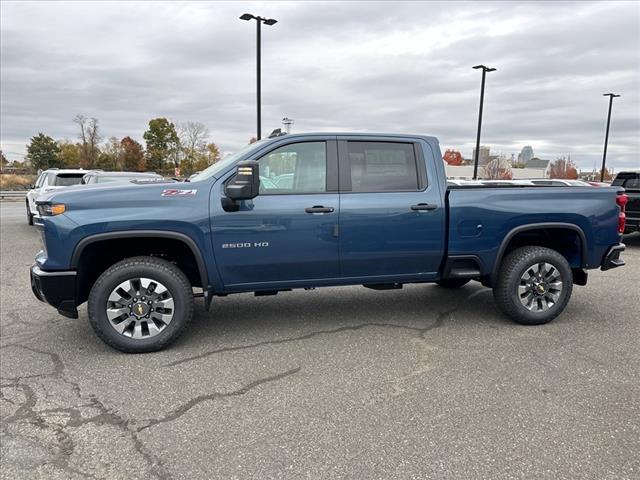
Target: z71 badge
<point x="174" y="192"/>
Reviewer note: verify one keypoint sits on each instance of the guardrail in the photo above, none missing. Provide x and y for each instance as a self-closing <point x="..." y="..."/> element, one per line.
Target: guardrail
<point x="13" y="194"/>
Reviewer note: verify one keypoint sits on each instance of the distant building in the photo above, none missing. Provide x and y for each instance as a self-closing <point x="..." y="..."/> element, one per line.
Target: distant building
<point x="483" y="158"/>
<point x="538" y="164"/>
<point x="526" y="154"/>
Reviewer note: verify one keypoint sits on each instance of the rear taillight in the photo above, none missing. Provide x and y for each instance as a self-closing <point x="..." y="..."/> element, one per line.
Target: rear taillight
<point x="621" y="200"/>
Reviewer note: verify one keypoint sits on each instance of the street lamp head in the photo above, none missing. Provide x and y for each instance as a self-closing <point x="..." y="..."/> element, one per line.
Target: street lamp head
<point x="610" y="95"/>
<point x="485" y="68"/>
<point x="270" y="21"/>
<point x="246" y="16"/>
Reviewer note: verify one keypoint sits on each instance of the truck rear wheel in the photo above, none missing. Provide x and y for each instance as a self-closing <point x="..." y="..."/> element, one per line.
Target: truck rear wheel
<point x="141" y="304"/>
<point x="534" y="285"/>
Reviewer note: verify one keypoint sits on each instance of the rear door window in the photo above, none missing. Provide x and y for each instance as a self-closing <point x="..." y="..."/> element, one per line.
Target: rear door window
<point x="382" y="166"/>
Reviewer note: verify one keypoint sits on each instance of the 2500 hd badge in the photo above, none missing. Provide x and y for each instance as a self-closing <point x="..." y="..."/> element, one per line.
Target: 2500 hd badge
<point x="245" y="245"/>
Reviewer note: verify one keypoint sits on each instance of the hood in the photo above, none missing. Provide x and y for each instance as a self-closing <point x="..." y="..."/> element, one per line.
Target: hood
<point x="130" y="196"/>
<point x="95" y="190"/>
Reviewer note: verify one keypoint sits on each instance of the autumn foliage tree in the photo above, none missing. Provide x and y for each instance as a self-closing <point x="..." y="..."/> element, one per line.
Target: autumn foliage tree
<point x="563" y="168"/>
<point x="453" y="157"/>
<point x="70" y="154"/>
<point x="497" y="169"/>
<point x="132" y="155"/>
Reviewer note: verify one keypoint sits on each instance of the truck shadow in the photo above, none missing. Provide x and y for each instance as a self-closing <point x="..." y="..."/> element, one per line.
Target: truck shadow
<point x="632" y="241"/>
<point x="415" y="307"/>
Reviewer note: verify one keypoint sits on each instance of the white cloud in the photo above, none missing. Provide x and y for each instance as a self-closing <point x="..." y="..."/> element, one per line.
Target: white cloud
<point x="372" y="66"/>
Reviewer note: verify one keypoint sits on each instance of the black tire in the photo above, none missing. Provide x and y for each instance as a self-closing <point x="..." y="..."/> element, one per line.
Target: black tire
<point x="514" y="267"/>
<point x="170" y="276"/>
<point x="453" y="282"/>
<point x="29" y="215"/>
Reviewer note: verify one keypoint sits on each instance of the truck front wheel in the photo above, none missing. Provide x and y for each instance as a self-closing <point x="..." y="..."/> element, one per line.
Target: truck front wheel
<point x="141" y="304"/>
<point x="534" y="285"/>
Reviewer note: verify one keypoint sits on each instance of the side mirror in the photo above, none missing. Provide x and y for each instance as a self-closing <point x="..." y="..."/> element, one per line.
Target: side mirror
<point x="246" y="182"/>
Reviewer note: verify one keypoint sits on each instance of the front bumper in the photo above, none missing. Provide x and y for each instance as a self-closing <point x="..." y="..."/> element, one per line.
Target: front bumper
<point x="58" y="289"/>
<point x="612" y="258"/>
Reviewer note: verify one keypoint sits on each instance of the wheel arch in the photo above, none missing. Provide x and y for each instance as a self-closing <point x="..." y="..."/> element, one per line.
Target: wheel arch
<point x="539" y="231"/>
<point x="122" y="238"/>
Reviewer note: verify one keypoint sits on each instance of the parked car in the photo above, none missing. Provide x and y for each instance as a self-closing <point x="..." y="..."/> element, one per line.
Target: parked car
<point x="559" y="182"/>
<point x="362" y="209"/>
<point x="49" y="180"/>
<point x="630" y="181"/>
<point x="115" y="177"/>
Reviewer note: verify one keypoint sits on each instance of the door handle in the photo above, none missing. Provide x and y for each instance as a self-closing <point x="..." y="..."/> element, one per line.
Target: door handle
<point x="318" y="209"/>
<point x="423" y="206"/>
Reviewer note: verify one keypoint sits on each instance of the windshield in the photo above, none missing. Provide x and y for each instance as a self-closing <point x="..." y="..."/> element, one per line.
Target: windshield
<point x="627" y="181"/>
<point x="223" y="164"/>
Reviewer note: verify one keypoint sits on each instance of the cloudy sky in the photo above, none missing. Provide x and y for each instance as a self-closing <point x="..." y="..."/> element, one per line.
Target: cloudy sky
<point x="355" y="66"/>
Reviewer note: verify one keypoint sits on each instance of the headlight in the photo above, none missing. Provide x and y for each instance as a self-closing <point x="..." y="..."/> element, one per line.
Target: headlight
<point x="51" y="209"/>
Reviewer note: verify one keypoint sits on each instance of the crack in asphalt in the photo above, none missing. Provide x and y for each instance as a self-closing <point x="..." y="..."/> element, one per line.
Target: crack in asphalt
<point x="26" y="412"/>
<point x="184" y="408"/>
<point x="438" y="322"/>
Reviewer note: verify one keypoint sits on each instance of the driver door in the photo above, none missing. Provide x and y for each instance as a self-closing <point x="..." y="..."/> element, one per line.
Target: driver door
<point x="286" y="236"/>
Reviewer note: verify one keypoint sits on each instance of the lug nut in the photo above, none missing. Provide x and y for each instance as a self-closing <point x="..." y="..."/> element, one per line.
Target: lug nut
<point x="143" y="299"/>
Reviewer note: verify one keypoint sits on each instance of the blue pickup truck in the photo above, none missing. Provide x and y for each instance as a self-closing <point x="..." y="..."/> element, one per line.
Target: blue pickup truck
<point x="313" y="210"/>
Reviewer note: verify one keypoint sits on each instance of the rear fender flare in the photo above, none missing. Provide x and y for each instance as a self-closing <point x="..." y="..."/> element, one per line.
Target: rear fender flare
<point x="538" y="226"/>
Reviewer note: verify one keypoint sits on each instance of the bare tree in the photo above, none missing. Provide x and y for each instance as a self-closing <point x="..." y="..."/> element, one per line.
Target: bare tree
<point x="193" y="138"/>
<point x="90" y="138"/>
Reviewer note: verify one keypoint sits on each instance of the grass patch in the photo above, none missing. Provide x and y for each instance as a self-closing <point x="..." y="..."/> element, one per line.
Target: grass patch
<point x="12" y="181"/>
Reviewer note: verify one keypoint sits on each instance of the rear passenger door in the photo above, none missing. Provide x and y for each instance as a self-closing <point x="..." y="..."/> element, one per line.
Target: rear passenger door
<point x="391" y="215"/>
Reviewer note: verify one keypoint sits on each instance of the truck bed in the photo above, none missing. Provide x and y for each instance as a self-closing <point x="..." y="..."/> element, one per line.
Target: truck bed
<point x="482" y="218"/>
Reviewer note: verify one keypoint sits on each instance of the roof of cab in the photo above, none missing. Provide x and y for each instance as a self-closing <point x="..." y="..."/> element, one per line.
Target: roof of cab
<point x="354" y="134"/>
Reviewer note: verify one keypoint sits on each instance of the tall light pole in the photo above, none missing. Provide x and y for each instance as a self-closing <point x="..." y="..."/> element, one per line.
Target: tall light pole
<point x="259" y="22"/>
<point x="475" y="160"/>
<point x="606" y="135"/>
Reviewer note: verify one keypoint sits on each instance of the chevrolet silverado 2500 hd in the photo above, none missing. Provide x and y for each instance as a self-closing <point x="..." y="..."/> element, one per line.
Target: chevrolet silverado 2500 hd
<point x="313" y="210"/>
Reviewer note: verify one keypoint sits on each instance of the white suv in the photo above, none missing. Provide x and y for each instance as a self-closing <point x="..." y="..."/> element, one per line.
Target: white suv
<point x="48" y="180"/>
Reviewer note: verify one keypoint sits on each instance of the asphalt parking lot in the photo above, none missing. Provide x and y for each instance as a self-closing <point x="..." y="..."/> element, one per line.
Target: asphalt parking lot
<point x="330" y="383"/>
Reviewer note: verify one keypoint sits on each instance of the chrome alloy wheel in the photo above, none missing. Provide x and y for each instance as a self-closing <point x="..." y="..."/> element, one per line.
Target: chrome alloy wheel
<point x="540" y="287"/>
<point x="140" y="308"/>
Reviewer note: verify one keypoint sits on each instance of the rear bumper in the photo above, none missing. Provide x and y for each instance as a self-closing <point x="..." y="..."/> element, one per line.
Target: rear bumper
<point x="58" y="289"/>
<point x="612" y="258"/>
